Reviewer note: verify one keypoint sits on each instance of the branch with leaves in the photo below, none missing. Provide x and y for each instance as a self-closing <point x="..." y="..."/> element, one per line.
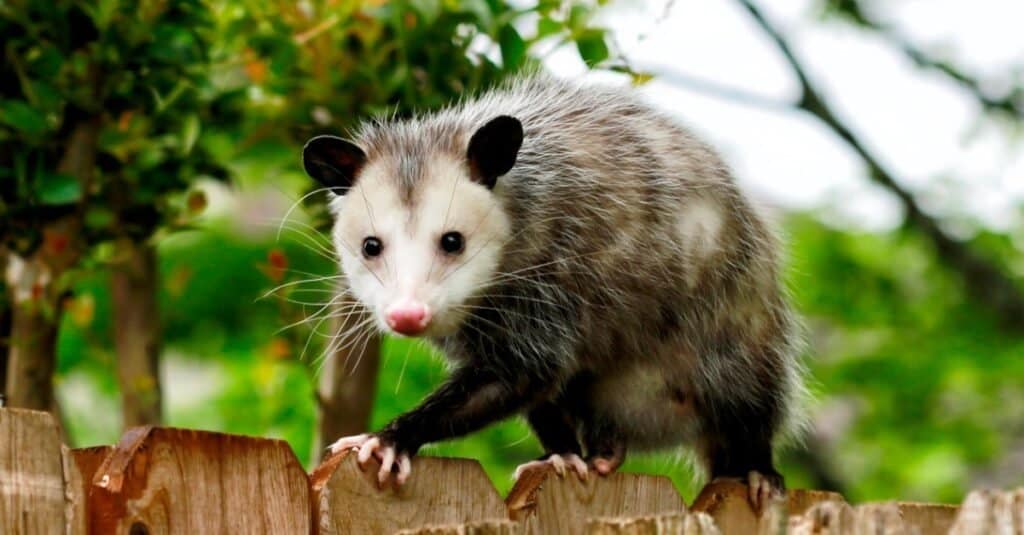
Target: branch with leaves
<point x="1010" y="103"/>
<point x="983" y="279"/>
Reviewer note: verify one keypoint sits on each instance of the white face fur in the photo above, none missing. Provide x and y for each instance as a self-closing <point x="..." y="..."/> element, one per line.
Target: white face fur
<point x="412" y="267"/>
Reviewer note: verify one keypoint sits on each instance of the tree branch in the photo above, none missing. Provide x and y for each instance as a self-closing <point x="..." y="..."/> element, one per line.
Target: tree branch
<point x="983" y="280"/>
<point x="1011" y="103"/>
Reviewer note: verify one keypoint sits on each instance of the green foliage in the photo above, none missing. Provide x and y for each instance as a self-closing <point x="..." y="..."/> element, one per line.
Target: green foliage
<point x="135" y="72"/>
<point x="927" y="378"/>
<point x="920" y="388"/>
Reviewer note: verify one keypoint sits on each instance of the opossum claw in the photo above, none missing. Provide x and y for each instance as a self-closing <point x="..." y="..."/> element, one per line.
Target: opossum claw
<point x="367" y="446"/>
<point x="353" y="442"/>
<point x="559" y="462"/>
<point x="762" y="490"/>
<point x="404" y="469"/>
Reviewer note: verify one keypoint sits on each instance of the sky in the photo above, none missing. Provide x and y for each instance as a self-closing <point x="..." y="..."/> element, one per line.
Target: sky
<point x="923" y="127"/>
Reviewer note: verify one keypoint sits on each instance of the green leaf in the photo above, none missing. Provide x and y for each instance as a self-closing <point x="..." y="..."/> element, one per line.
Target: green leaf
<point x="99" y="218"/>
<point x="547" y="26"/>
<point x="189" y="133"/>
<point x="592" y="47"/>
<point x="58" y="188"/>
<point x="513" y="48"/>
<point x="579" y="15"/>
<point x="429" y="9"/>
<point x="22" y="117"/>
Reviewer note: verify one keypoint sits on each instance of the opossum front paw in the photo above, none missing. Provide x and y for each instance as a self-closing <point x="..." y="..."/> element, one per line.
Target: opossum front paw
<point x="559" y="462"/>
<point x="390" y="457"/>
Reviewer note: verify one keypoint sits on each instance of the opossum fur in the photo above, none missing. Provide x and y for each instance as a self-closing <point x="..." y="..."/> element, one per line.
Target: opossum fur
<point x="615" y="286"/>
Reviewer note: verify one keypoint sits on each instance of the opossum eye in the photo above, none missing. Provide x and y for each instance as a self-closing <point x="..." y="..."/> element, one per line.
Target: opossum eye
<point x="372" y="247"/>
<point x="452" y="242"/>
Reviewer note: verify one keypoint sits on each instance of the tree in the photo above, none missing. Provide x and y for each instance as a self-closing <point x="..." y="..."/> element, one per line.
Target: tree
<point x="102" y="106"/>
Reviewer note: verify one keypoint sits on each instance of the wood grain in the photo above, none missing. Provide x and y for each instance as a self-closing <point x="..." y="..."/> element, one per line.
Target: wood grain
<point x="493" y="527"/>
<point x="928" y="518"/>
<point x="546" y="503"/>
<point x="990" y="511"/>
<point x="439" y="492"/>
<point x="670" y="524"/>
<point x="164" y="480"/>
<point x="836" y="518"/>
<point x="32" y="496"/>
<point x="727" y="503"/>
<point x="79" y="466"/>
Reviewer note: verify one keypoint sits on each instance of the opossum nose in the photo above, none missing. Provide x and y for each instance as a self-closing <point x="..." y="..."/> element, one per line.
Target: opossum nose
<point x="409" y="319"/>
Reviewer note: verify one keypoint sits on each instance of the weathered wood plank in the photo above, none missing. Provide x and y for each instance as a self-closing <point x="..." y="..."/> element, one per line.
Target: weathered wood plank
<point x="546" y="503"/>
<point x="928" y="518"/>
<point x="88" y="460"/>
<point x="991" y="511"/>
<point x="440" y="491"/>
<point x="32" y="498"/>
<point x="494" y="527"/>
<point x="670" y="524"/>
<point x="837" y="518"/>
<point x="79" y="466"/>
<point x="727" y="503"/>
<point x="163" y="480"/>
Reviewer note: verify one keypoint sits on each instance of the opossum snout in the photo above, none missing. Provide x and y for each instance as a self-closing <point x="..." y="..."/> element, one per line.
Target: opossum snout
<point x="409" y="318"/>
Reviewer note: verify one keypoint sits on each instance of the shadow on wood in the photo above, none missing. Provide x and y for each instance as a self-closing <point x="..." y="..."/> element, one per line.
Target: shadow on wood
<point x="32" y="479"/>
<point x="439" y="492"/>
<point x="80" y="465"/>
<point x="547" y="503"/>
<point x="727" y="503"/>
<point x="163" y="480"/>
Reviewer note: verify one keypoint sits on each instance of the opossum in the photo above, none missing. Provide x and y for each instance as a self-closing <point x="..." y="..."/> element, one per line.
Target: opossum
<point x="582" y="260"/>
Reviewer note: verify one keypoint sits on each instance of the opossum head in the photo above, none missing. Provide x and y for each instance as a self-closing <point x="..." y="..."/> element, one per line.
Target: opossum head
<point x="419" y="224"/>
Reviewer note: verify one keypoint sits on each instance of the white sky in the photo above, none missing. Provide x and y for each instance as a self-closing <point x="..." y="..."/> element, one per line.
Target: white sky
<point x="923" y="127"/>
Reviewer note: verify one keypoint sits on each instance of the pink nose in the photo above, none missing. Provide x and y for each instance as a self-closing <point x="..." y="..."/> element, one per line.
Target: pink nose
<point x="409" y="318"/>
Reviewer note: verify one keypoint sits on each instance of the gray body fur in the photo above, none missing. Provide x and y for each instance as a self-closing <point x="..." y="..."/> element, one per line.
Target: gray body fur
<point x="633" y="262"/>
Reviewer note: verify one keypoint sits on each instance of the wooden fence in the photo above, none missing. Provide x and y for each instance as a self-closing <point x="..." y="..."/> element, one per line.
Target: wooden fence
<point x="163" y="480"/>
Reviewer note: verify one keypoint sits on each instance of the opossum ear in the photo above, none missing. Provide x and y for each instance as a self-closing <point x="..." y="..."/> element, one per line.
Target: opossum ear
<point x="333" y="162"/>
<point x="493" y="149"/>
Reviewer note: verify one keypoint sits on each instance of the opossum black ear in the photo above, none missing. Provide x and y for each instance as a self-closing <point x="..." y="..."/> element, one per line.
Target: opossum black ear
<point x="333" y="162"/>
<point x="493" y="149"/>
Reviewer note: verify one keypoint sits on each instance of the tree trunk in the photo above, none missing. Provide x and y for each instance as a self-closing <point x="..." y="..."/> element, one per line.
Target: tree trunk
<point x="134" y="285"/>
<point x="33" y="342"/>
<point x="5" y="325"/>
<point x="34" y="285"/>
<point x="348" y="387"/>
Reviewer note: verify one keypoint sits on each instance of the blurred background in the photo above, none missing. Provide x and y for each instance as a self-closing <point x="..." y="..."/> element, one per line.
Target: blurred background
<point x="165" y="263"/>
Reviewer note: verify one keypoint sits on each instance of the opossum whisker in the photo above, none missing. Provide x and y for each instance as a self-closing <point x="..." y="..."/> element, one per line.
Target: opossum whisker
<point x="362" y="350"/>
<point x="309" y="339"/>
<point x="296" y="205"/>
<point x="352" y="334"/>
<point x="289" y="284"/>
<point x="310" y="318"/>
<point x="309" y="240"/>
<point x="401" y="373"/>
